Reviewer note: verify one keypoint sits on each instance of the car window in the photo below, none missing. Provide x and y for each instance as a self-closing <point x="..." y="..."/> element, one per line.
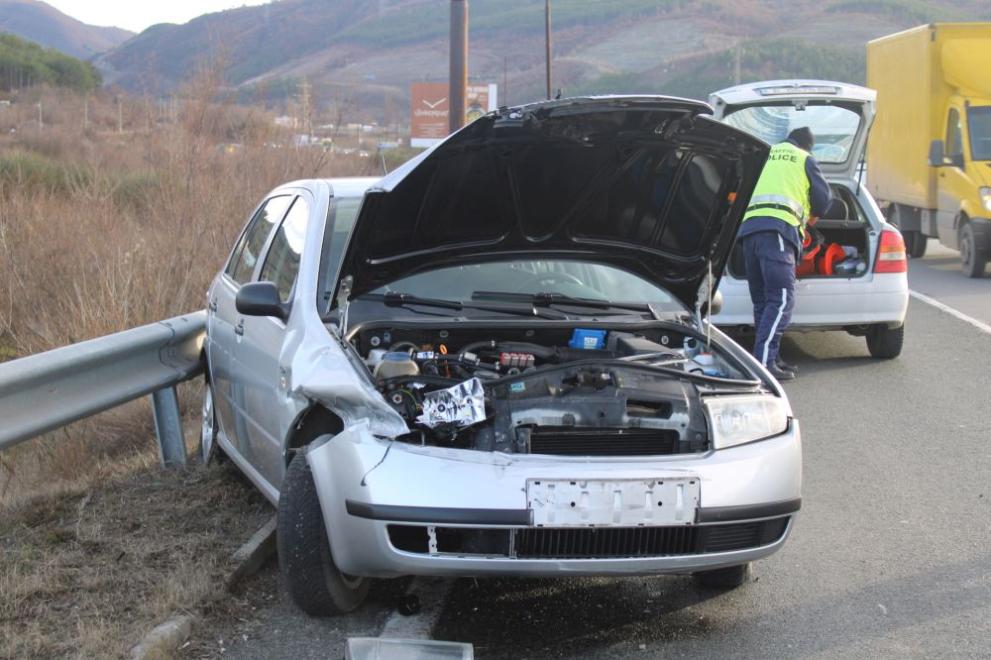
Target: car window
<point x="282" y="262"/>
<point x="954" y="134"/>
<point x="340" y="222"/>
<point x="979" y="125"/>
<point x="249" y="247"/>
<point x="577" y="279"/>
<point x="834" y="127"/>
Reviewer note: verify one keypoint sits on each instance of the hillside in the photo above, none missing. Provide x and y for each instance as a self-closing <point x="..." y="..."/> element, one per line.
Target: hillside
<point x="366" y="53"/>
<point x="24" y="64"/>
<point x="43" y="24"/>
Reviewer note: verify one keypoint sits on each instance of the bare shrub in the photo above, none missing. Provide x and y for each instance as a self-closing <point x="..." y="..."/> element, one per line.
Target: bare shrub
<point x="103" y="230"/>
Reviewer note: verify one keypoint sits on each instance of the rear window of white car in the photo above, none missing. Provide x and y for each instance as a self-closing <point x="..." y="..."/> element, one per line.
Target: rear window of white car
<point x="834" y="127"/>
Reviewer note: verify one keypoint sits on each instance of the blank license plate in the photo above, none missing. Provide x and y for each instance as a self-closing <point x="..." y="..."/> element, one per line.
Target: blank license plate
<point x="625" y="503"/>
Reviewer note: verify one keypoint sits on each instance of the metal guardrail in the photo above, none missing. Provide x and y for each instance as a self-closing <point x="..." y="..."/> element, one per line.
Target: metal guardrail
<point x="46" y="391"/>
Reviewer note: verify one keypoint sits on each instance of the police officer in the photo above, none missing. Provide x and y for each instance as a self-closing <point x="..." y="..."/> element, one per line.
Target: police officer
<point x="791" y="192"/>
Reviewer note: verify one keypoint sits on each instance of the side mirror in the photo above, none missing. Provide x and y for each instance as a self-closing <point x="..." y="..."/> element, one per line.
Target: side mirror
<point x="261" y="299"/>
<point x="937" y="154"/>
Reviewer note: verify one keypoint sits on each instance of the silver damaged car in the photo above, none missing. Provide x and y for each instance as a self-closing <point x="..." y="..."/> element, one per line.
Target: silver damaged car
<point x="496" y="359"/>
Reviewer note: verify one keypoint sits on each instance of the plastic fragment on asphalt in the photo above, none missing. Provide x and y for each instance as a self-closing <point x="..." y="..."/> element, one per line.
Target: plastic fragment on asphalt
<point x="371" y="648"/>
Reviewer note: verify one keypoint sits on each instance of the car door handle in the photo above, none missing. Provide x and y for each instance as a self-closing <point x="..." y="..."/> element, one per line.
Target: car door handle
<point x="212" y="306"/>
<point x="239" y="329"/>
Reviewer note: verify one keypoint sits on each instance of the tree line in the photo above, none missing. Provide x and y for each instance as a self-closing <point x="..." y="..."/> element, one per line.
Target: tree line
<point x="24" y="64"/>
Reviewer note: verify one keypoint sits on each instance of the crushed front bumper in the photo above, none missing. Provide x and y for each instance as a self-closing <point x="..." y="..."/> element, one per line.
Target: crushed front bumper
<point x="397" y="509"/>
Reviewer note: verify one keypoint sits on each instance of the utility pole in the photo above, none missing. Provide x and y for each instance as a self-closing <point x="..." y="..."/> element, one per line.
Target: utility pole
<point x="120" y="115"/>
<point x="41" y="119"/>
<point x="458" y="64"/>
<point x="547" y="43"/>
<point x="505" y="81"/>
<point x="304" y="102"/>
<point x="736" y="64"/>
<point x="86" y="113"/>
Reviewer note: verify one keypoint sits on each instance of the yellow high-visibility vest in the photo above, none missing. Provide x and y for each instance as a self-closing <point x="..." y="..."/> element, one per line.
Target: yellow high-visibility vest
<point x="782" y="190"/>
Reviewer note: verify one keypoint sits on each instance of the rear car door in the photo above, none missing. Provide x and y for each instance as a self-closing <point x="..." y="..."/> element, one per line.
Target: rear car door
<point x="264" y="353"/>
<point x="224" y="329"/>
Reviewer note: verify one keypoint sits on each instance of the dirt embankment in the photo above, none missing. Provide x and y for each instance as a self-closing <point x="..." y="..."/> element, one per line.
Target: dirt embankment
<point x="86" y="574"/>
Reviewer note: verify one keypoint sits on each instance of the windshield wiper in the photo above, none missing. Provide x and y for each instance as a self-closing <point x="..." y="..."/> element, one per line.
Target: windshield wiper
<point x="401" y="299"/>
<point x="548" y="299"/>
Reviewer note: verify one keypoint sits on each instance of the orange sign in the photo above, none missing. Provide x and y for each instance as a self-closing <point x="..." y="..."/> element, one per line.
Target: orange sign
<point x="429" y="111"/>
<point x="430" y="105"/>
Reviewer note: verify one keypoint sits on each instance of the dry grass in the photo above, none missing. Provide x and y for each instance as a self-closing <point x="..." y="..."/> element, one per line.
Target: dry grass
<point x="103" y="230"/>
<point x="85" y="574"/>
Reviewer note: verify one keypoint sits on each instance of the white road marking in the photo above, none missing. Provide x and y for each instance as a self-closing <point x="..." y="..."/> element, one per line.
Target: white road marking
<point x="432" y="592"/>
<point x="980" y="325"/>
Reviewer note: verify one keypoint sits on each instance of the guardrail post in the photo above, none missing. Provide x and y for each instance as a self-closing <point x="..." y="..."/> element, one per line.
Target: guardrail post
<point x="168" y="427"/>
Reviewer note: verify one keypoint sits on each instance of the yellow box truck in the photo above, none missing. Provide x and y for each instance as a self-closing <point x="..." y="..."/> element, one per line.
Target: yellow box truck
<point x="929" y="153"/>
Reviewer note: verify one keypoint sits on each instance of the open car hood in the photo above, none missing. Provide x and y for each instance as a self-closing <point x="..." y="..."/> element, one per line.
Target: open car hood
<point x="648" y="184"/>
<point x="840" y="138"/>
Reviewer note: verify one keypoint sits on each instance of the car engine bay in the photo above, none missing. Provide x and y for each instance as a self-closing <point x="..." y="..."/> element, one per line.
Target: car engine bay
<point x="574" y="391"/>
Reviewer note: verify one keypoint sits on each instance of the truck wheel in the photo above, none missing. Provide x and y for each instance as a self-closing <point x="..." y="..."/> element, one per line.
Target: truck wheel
<point x="313" y="581"/>
<point x="885" y="343"/>
<point x="971" y="257"/>
<point x="915" y="242"/>
<point x="723" y="578"/>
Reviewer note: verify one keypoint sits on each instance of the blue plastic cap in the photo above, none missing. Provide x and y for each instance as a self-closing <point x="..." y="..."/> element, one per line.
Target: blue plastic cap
<point x="588" y="339"/>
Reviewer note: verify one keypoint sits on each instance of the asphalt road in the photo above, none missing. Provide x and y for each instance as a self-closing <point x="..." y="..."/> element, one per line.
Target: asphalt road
<point x="890" y="556"/>
<point x="938" y="276"/>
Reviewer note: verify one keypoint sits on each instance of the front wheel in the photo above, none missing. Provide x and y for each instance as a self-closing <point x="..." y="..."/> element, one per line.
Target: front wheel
<point x="972" y="259"/>
<point x="885" y="343"/>
<point x="208" y="428"/>
<point x="313" y="580"/>
<point x="723" y="579"/>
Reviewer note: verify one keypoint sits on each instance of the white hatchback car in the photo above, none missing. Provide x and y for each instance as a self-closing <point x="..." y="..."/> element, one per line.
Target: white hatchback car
<point x="869" y="297"/>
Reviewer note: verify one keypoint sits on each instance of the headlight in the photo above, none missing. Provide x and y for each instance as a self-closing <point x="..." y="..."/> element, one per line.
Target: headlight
<point x="736" y="420"/>
<point x="985" y="198"/>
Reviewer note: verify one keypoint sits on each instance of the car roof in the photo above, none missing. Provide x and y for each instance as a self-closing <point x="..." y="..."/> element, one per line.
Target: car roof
<point x="748" y="92"/>
<point x="342" y="186"/>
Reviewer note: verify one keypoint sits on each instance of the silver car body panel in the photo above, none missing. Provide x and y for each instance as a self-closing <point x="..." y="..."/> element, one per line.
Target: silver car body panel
<point x="356" y="466"/>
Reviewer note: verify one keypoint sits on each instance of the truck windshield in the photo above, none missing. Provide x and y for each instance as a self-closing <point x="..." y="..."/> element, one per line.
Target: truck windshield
<point x="979" y="123"/>
<point x="834" y="127"/>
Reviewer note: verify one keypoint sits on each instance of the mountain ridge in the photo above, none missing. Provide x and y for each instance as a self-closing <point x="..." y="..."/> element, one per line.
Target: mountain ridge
<point x="47" y="26"/>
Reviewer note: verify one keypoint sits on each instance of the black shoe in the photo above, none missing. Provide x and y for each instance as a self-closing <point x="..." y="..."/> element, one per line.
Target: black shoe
<point x="784" y="366"/>
<point x="781" y="374"/>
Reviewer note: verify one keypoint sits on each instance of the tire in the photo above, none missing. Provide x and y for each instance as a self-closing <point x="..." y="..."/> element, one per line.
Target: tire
<point x="208" y="427"/>
<point x="313" y="581"/>
<point x="723" y="579"/>
<point x="972" y="259"/>
<point x="915" y="243"/>
<point x="885" y="343"/>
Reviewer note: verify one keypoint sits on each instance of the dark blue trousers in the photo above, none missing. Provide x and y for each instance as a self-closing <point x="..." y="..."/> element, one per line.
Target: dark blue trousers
<point x="770" y="264"/>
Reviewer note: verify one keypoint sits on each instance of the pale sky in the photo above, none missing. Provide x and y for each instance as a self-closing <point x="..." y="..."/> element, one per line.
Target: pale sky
<point x="136" y="15"/>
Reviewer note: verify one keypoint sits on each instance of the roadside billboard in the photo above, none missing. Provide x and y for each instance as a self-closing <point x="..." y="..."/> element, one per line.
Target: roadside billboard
<point x="430" y="105"/>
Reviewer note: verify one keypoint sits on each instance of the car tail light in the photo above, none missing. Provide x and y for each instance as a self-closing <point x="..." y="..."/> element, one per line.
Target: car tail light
<point x="891" y="253"/>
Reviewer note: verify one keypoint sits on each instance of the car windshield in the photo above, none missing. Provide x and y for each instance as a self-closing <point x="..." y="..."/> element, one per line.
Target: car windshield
<point x="979" y="120"/>
<point x="834" y="127"/>
<point x="571" y="279"/>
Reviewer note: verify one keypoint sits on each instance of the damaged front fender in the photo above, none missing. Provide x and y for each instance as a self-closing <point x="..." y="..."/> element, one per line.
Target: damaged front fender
<point x="327" y="376"/>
